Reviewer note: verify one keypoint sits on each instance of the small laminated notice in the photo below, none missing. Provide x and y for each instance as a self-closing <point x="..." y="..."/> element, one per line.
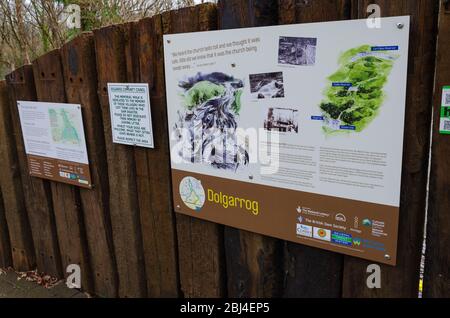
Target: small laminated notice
<point x="131" y="119"/>
<point x="444" y="127"/>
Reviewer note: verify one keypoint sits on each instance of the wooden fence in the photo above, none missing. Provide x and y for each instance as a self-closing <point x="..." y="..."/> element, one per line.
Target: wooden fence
<point x="124" y="233"/>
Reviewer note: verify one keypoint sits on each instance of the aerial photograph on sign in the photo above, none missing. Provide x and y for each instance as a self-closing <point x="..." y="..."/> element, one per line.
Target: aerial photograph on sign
<point x="356" y="91"/>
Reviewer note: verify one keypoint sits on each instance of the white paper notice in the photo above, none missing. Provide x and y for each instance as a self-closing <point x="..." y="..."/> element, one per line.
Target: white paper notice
<point x="131" y="120"/>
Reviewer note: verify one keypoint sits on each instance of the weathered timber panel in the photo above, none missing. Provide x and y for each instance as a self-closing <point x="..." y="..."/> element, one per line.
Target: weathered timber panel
<point x="37" y="192"/>
<point x="80" y="78"/>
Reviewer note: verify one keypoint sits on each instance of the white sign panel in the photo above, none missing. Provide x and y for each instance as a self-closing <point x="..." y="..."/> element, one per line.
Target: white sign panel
<point x="54" y="141"/>
<point x="131" y="119"/>
<point x="311" y="115"/>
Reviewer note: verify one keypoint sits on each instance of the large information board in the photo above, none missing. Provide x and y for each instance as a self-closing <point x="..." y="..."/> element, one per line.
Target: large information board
<point x="292" y="131"/>
<point x="54" y="141"/>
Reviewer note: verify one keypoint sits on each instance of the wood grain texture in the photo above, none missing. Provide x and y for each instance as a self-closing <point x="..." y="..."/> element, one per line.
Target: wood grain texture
<point x="49" y="82"/>
<point x="403" y="280"/>
<point x="80" y="78"/>
<point x="304" y="11"/>
<point x="37" y="192"/>
<point x="233" y="14"/>
<point x="153" y="165"/>
<point x="11" y="187"/>
<point x="254" y="262"/>
<point x="437" y="269"/>
<point x="311" y="272"/>
<point x="200" y="243"/>
<point x="110" y="45"/>
<point x="5" y="245"/>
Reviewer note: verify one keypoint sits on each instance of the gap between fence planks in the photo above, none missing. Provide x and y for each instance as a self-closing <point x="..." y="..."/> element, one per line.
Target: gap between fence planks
<point x="49" y="82"/>
<point x="254" y="262"/>
<point x="403" y="279"/>
<point x="80" y="78"/>
<point x="200" y="243"/>
<point x="437" y="270"/>
<point x="110" y="45"/>
<point x="37" y="193"/>
<point x="22" y="249"/>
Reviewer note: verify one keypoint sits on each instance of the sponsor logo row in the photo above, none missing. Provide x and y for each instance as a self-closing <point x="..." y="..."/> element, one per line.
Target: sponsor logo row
<point x="336" y="237"/>
<point x="72" y="176"/>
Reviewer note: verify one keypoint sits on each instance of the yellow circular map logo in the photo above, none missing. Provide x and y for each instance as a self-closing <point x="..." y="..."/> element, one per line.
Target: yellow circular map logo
<point x="192" y="193"/>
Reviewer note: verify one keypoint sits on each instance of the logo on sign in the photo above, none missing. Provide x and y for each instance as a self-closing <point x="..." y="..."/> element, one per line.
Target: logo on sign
<point x="192" y="193"/>
<point x="340" y="217"/>
<point x="356" y="242"/>
<point x="304" y="230"/>
<point x="322" y="234"/>
<point x="341" y="238"/>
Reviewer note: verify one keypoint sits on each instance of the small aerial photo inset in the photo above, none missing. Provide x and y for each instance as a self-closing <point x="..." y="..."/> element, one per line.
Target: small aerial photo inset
<point x="282" y="120"/>
<point x="297" y="51"/>
<point x="267" y="85"/>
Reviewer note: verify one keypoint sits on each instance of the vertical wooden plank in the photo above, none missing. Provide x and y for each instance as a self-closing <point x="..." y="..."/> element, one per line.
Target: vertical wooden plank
<point x="11" y="187"/>
<point x="437" y="269"/>
<point x="247" y="13"/>
<point x="254" y="262"/>
<point x="49" y="81"/>
<point x="80" y="78"/>
<point x="153" y="166"/>
<point x="294" y="11"/>
<point x="200" y="243"/>
<point x="402" y="280"/>
<point x="37" y="193"/>
<point x="312" y="272"/>
<point x="124" y="205"/>
<point x="5" y="246"/>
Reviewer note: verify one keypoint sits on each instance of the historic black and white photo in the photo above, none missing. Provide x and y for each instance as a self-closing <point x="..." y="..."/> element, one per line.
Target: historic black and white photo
<point x="267" y="85"/>
<point x="282" y="120"/>
<point x="297" y="51"/>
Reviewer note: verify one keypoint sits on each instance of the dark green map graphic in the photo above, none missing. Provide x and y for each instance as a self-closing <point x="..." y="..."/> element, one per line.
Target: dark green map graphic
<point x="355" y="94"/>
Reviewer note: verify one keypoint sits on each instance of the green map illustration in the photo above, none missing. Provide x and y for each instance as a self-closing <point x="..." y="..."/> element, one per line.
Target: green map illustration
<point x="64" y="125"/>
<point x="192" y="193"/>
<point x="355" y="94"/>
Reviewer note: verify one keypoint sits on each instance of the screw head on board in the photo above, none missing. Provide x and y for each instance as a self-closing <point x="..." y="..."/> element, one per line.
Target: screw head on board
<point x="387" y="256"/>
<point x="400" y="25"/>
